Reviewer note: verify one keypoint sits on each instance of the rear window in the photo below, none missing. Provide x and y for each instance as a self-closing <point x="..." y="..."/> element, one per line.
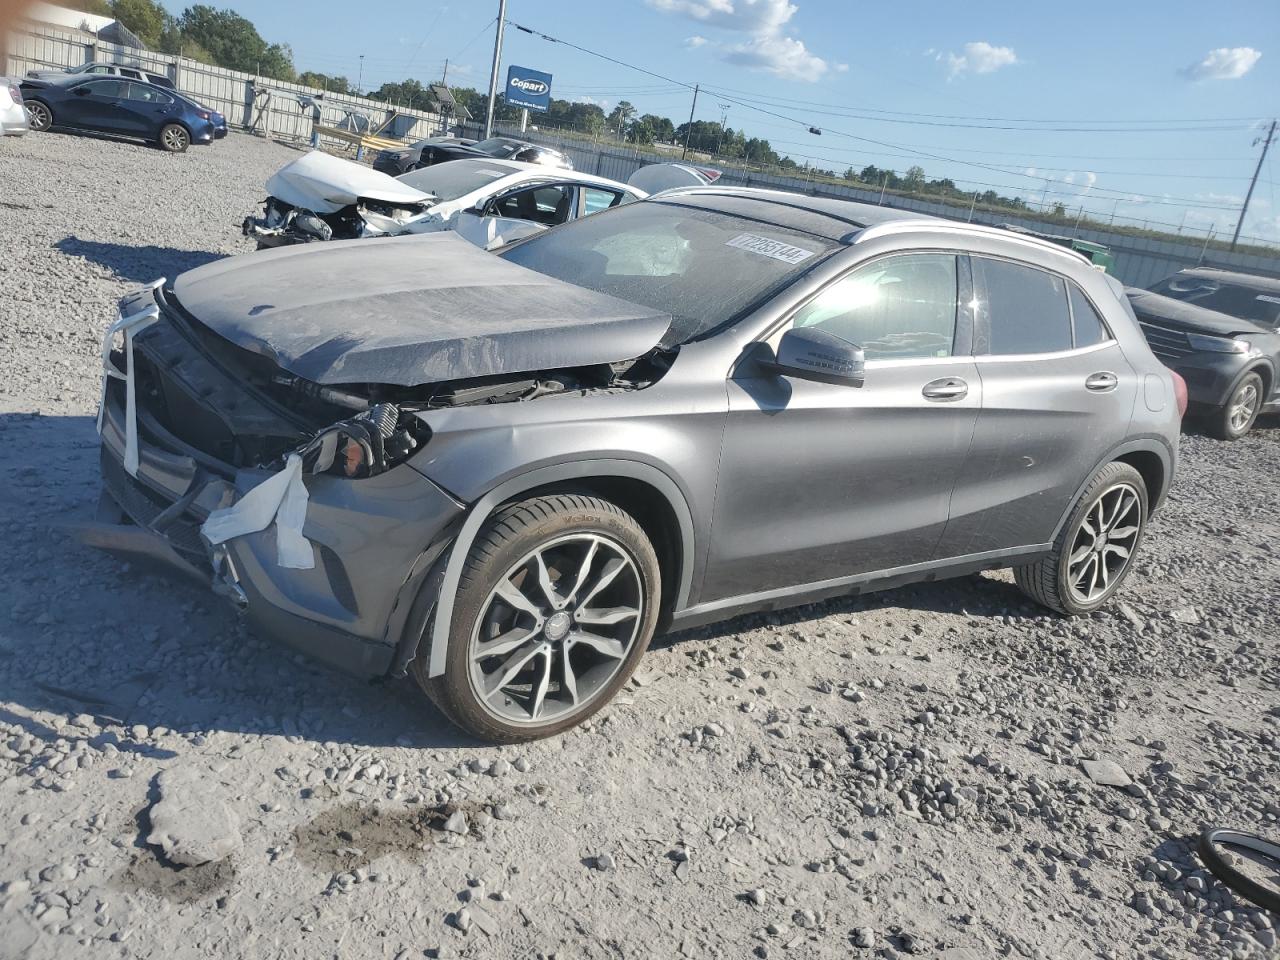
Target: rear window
<point x="1088" y="326"/>
<point x="1026" y="308"/>
<point x="703" y="267"/>
<point x="449" y="181"/>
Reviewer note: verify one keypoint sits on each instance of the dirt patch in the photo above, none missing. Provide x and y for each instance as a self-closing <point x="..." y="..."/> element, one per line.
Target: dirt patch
<point x="354" y="835"/>
<point x="148" y="872"/>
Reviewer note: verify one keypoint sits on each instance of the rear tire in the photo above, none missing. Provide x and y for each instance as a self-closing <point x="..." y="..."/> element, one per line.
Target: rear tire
<point x="174" y="138"/>
<point x="39" y="116"/>
<point x="1094" y="551"/>
<point x="1236" y="417"/>
<point x="557" y="603"/>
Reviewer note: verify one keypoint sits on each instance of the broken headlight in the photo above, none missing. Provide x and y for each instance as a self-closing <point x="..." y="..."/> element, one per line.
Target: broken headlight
<point x="367" y="444"/>
<point x="312" y="226"/>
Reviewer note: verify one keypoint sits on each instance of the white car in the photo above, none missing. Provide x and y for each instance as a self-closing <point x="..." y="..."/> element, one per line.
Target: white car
<point x="13" y="115"/>
<point x="489" y="202"/>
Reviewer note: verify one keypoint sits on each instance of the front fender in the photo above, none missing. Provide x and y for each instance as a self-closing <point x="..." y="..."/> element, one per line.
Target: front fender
<point x="539" y="477"/>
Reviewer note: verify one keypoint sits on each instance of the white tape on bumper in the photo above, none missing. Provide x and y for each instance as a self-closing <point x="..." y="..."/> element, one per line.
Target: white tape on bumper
<point x="281" y="498"/>
<point x="128" y="326"/>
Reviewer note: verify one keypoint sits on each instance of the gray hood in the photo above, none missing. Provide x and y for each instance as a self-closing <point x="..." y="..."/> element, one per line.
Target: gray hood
<point x="409" y="311"/>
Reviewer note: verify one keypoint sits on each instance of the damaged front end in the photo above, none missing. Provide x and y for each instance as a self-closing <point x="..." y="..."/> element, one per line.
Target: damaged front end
<point x="319" y="197"/>
<point x="293" y="497"/>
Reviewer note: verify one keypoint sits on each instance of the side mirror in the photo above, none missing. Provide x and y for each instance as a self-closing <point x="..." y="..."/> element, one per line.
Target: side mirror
<point x="808" y="353"/>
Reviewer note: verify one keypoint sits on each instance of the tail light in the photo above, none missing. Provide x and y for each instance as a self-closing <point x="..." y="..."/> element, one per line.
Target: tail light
<point x="1179" y="392"/>
<point x="15" y="93"/>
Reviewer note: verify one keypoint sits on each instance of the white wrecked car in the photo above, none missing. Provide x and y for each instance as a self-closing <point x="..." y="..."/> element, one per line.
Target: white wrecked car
<point x="489" y="202"/>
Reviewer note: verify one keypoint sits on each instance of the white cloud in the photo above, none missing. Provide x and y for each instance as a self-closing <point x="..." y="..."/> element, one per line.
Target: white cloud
<point x="1224" y="63"/>
<point x="980" y="57"/>
<point x="782" y="56"/>
<point x="768" y="47"/>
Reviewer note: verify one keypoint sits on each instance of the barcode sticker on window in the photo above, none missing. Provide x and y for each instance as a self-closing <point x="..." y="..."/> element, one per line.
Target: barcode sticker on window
<point x="1265" y="299"/>
<point x="774" y="249"/>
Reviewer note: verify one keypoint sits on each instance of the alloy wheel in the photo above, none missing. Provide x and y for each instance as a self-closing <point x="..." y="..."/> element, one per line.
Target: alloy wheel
<point x="1104" y="543"/>
<point x="175" y="139"/>
<point x="556" y="629"/>
<point x="1244" y="406"/>
<point x="38" y="116"/>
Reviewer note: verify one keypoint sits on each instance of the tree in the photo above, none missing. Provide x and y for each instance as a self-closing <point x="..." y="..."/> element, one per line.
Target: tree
<point x="235" y="43"/>
<point x="333" y="84"/>
<point x="621" y="114"/>
<point x="914" y="178"/>
<point x="146" y="18"/>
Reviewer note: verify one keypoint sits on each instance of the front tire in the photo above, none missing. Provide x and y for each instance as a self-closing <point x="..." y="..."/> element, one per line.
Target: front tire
<point x="1094" y="551"/>
<point x="39" y="116"/>
<point x="1236" y="417"/>
<point x="174" y="138"/>
<point x="557" y="603"/>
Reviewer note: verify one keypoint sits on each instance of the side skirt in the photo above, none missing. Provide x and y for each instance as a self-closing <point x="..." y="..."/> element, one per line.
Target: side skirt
<point x="801" y="594"/>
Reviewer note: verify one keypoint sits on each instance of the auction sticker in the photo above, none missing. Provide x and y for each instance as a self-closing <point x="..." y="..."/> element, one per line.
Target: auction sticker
<point x="774" y="249"/>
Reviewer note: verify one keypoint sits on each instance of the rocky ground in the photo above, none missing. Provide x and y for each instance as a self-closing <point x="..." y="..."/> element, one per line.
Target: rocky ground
<point x="902" y="774"/>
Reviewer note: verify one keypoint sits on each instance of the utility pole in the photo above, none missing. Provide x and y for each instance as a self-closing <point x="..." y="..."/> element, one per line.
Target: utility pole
<point x="444" y="80"/>
<point x="493" y="74"/>
<point x="360" y="76"/>
<point x="689" y="129"/>
<point x="1266" y="142"/>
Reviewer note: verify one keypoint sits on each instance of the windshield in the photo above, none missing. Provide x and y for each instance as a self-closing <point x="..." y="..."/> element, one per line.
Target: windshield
<point x="496" y="147"/>
<point x="449" y="181"/>
<point x="1235" y="301"/>
<point x="703" y="267"/>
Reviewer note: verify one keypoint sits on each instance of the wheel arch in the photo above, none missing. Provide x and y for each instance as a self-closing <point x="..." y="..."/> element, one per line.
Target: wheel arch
<point x="1152" y="459"/>
<point x="645" y="491"/>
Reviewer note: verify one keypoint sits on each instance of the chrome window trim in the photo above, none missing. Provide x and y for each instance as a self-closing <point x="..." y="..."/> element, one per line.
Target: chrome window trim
<point x="1054" y="355"/>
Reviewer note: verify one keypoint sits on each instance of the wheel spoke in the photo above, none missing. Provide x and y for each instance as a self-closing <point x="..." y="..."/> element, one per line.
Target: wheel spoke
<point x="544" y="581"/>
<point x="606" y="645"/>
<point x="505" y="643"/>
<point x="540" y="693"/>
<point x="585" y="569"/>
<point x="1123" y="533"/>
<point x="1122" y="552"/>
<point x="514" y="597"/>
<point x="607" y="576"/>
<point x="606" y="617"/>
<point x="1080" y="555"/>
<point x="1086" y="570"/>
<point x="570" y="680"/>
<point x="495" y="681"/>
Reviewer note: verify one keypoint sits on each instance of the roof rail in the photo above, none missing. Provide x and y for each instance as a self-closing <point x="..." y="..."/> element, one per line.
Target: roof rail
<point x="899" y="226"/>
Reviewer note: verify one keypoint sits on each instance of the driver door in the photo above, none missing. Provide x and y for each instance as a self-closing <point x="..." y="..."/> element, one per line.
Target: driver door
<point x="97" y="107"/>
<point x="819" y="481"/>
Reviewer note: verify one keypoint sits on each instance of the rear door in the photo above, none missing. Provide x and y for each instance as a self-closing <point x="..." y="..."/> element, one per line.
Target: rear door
<point x="1057" y="393"/>
<point x="820" y="481"/>
<point x="146" y="109"/>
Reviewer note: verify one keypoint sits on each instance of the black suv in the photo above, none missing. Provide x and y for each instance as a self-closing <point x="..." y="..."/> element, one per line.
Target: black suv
<point x="1221" y="331"/>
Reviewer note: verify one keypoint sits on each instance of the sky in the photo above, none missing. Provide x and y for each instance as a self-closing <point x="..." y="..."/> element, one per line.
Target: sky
<point x="1142" y="109"/>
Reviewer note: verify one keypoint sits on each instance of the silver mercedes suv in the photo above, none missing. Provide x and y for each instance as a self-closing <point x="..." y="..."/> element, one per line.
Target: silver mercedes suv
<point x="503" y="474"/>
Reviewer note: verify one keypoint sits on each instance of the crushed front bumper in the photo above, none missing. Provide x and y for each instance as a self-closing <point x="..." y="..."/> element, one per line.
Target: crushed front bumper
<point x="375" y="541"/>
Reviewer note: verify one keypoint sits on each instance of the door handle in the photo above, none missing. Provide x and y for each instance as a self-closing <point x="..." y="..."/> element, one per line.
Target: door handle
<point x="947" y="388"/>
<point x="1101" y="382"/>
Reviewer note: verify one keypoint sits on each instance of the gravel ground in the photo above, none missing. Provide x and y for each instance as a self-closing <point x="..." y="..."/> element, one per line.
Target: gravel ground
<point x="896" y="774"/>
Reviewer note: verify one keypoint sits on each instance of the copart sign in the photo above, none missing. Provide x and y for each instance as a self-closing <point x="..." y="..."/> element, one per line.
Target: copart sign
<point x="527" y="88"/>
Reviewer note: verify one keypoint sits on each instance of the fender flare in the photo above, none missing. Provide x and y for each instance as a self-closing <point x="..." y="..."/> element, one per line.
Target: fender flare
<point x="1149" y="444"/>
<point x="557" y="473"/>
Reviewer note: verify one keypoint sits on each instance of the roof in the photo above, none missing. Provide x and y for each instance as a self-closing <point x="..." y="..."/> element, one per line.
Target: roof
<point x="551" y="173"/>
<point x="1249" y="280"/>
<point x="821" y="216"/>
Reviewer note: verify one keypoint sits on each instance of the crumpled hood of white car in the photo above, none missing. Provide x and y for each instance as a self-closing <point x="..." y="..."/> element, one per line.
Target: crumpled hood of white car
<point x="324" y="184"/>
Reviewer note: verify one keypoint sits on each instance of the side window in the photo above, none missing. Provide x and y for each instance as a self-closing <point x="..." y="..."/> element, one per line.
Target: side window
<point x="894" y="308"/>
<point x="1085" y="322"/>
<point x="138" y="91"/>
<point x="549" y="204"/>
<point x="100" y="68"/>
<point x="1026" y="308"/>
<point x="108" y="89"/>
<point x="597" y="199"/>
<point x="131" y="74"/>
